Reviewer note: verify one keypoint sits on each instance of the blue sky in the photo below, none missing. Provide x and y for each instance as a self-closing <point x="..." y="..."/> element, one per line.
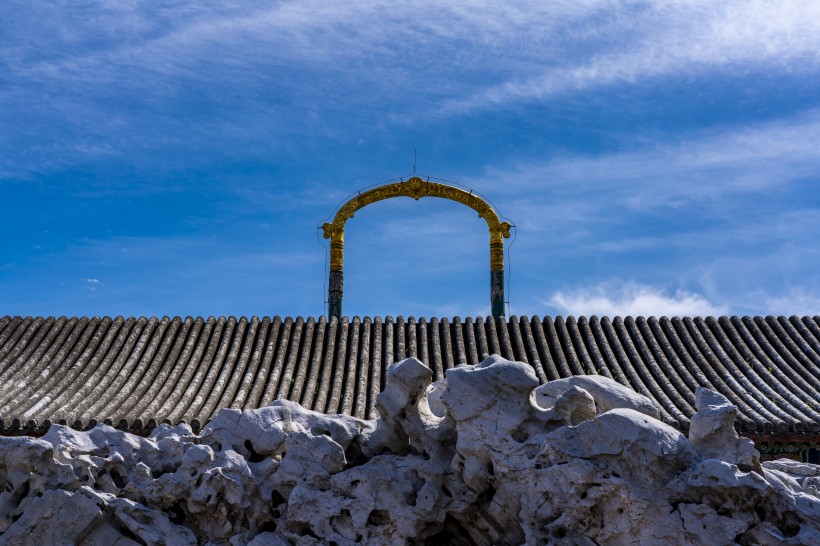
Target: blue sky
<point x="175" y="157"/>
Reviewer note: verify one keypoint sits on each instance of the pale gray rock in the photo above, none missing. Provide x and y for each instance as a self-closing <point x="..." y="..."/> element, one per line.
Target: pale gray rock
<point x="406" y="422"/>
<point x="804" y="474"/>
<point x="769" y="534"/>
<point x="712" y="432"/>
<point x="150" y="527"/>
<point x="605" y="392"/>
<point x="640" y="449"/>
<point x="485" y="456"/>
<point x="267" y="431"/>
<point x="573" y="407"/>
<point x="704" y="526"/>
<point x="87" y="517"/>
<point x="388" y="500"/>
<point x="267" y="539"/>
<point x="55" y="516"/>
<point x="434" y="392"/>
<point x="793" y="468"/>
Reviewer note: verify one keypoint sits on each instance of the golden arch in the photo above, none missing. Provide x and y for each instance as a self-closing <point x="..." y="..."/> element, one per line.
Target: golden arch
<point x="416" y="188"/>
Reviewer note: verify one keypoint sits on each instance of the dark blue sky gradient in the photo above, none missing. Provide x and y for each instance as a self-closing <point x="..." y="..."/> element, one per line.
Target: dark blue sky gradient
<point x="175" y="159"/>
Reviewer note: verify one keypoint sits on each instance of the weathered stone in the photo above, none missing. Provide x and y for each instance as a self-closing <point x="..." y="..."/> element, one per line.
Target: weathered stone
<point x="640" y="449"/>
<point x="704" y="526"/>
<point x="407" y="424"/>
<point x="483" y="457"/>
<point x="712" y="432"/>
<point x="55" y="516"/>
<point x="607" y="394"/>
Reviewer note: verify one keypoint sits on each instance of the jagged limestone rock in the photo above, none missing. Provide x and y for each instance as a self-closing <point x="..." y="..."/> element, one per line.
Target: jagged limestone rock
<point x="607" y="394"/>
<point x="712" y="432"/>
<point x="486" y="456"/>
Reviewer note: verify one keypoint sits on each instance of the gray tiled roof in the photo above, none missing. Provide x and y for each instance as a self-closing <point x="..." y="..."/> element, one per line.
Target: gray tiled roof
<point x="137" y="372"/>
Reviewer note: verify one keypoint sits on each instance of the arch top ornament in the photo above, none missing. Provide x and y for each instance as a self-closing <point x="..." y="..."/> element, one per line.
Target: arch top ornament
<point x="416" y="188"/>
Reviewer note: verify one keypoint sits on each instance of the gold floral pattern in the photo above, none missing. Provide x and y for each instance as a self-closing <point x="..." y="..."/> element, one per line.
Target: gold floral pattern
<point x="417" y="188"/>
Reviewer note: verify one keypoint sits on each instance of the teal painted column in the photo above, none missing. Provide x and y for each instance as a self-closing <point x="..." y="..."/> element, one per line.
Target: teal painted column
<point x="497" y="293"/>
<point x="334" y="294"/>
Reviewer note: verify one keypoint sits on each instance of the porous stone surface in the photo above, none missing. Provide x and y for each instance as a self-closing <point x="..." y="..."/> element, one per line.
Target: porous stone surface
<point x="486" y="456"/>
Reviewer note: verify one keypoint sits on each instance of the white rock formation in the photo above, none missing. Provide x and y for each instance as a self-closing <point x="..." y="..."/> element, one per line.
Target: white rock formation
<point x="485" y="457"/>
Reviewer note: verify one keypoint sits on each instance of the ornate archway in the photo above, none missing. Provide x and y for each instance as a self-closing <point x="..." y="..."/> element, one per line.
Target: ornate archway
<point x="416" y="188"/>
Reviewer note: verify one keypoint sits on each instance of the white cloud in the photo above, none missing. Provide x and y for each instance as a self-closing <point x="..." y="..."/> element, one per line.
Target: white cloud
<point x="266" y="72"/>
<point x="499" y="52"/>
<point x="92" y="284"/>
<point x="700" y="167"/>
<point x="668" y="38"/>
<point x="797" y="301"/>
<point x="627" y="298"/>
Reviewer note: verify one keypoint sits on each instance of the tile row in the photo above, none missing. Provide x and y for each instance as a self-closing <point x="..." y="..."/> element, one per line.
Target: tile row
<point x="134" y="373"/>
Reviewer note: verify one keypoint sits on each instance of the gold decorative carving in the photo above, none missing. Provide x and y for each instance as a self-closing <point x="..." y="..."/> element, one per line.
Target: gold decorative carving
<point x="417" y="188"/>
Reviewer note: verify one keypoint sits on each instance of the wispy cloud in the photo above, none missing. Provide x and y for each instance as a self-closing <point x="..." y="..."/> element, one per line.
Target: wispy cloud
<point x="123" y="80"/>
<point x="719" y="213"/>
<point x="697" y="167"/>
<point x="798" y="301"/>
<point x="674" y="38"/>
<point x="92" y="284"/>
<point x="627" y="298"/>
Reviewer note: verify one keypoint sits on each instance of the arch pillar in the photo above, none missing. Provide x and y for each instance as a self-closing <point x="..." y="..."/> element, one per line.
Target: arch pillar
<point x="416" y="188"/>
